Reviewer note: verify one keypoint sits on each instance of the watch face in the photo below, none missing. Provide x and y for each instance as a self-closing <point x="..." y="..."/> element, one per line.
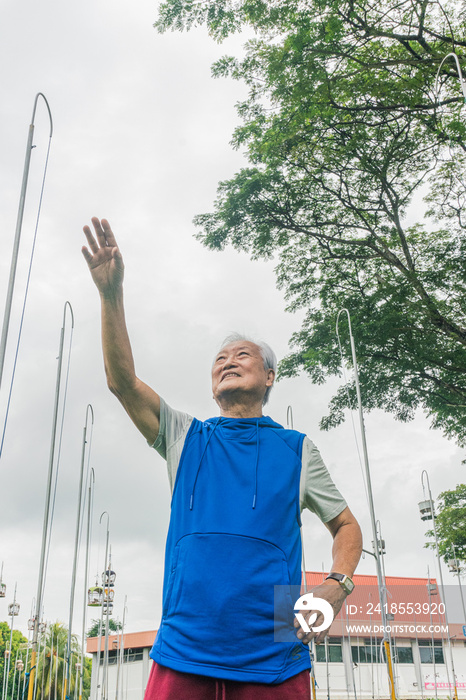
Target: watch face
<point x="347" y="584"/>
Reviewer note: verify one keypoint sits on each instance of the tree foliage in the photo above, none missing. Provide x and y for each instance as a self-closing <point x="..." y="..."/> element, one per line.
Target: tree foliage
<point x="113" y="626"/>
<point x="357" y="154"/>
<point x="18" y="650"/>
<point x="51" y="665"/>
<point x="450" y="524"/>
<point x="51" y="661"/>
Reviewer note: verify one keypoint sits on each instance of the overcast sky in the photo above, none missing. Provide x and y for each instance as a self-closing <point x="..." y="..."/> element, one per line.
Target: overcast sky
<point x="141" y="137"/>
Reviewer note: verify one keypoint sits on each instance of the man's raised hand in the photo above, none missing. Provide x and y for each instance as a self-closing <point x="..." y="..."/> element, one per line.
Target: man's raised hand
<point x="104" y="258"/>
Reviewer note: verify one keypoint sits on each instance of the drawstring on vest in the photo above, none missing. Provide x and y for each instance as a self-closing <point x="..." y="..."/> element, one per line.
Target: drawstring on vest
<point x="254" y="499"/>
<point x="191" y="500"/>
<point x="257" y="464"/>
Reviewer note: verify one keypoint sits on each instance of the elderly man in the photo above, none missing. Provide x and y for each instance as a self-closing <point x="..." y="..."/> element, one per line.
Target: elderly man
<point x="239" y="482"/>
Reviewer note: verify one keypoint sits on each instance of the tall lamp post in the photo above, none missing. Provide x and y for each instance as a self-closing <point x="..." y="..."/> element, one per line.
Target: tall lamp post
<point x="380" y="581"/>
<point x="427" y="511"/>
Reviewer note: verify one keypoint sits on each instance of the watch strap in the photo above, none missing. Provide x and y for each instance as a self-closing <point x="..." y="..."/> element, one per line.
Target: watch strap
<point x="345" y="582"/>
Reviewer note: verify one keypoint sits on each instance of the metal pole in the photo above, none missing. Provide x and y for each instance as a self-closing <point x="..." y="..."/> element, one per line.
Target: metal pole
<point x="19" y="223"/>
<point x="459" y="582"/>
<point x="45" y="529"/>
<point x="13" y="613"/>
<point x="86" y="575"/>
<point x="107" y="630"/>
<point x="76" y="547"/>
<point x="432" y="632"/>
<point x="121" y="649"/>
<point x="380" y="582"/>
<point x="102" y="608"/>
<point x="441" y="582"/>
<point x="14" y="677"/>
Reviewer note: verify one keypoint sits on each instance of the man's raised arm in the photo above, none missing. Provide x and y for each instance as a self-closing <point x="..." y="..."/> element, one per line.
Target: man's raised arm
<point x="106" y="266"/>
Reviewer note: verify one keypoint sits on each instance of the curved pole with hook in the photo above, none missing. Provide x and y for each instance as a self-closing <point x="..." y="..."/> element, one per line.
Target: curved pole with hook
<point x="45" y="529"/>
<point x="19" y="224"/>
<point x="460" y="74"/>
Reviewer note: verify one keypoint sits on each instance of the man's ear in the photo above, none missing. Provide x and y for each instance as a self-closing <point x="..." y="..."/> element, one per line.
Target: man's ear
<point x="270" y="377"/>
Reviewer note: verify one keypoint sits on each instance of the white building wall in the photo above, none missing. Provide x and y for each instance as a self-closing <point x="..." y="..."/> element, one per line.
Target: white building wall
<point x="364" y="681"/>
<point x="132" y="679"/>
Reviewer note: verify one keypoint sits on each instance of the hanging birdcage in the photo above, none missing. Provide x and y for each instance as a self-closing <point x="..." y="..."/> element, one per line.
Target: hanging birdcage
<point x="19" y="665"/>
<point x="108" y="595"/>
<point x="78" y="666"/>
<point x="2" y="590"/>
<point x="13" y="609"/>
<point x="454" y="566"/>
<point x="7" y="652"/>
<point x="95" y="596"/>
<point x="426" y="510"/>
<point x="108" y="578"/>
<point x="432" y="588"/>
<point x="42" y="627"/>
<point x="31" y="623"/>
<point x="107" y="608"/>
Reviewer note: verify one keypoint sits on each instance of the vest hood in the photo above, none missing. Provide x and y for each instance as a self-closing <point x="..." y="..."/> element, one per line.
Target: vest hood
<point x="236" y="428"/>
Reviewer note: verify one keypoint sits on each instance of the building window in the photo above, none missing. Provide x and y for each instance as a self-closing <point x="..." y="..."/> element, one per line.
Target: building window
<point x="333" y="646"/>
<point x="372" y="652"/>
<point x="425" y="651"/>
<point x="367" y="653"/>
<point x="129" y="656"/>
<point x="403" y="655"/>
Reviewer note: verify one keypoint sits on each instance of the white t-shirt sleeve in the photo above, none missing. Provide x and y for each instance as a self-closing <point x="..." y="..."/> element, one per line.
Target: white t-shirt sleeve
<point x="174" y="426"/>
<point x="317" y="491"/>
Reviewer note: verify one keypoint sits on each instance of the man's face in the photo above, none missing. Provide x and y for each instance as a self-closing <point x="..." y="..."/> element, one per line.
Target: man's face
<point x="238" y="373"/>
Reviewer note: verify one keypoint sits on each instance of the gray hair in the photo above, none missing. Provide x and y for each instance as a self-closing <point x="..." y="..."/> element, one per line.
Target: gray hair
<point x="268" y="356"/>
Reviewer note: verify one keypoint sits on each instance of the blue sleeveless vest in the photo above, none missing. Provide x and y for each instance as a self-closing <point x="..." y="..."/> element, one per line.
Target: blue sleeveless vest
<point x="234" y="536"/>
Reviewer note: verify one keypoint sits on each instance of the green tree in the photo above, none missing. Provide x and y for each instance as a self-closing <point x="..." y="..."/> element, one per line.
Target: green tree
<point x="18" y="652"/>
<point x="113" y="626"/>
<point x="344" y="128"/>
<point x="51" y="665"/>
<point x="450" y="524"/>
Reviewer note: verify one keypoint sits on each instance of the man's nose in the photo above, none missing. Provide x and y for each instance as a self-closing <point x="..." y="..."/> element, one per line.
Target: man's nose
<point x="229" y="362"/>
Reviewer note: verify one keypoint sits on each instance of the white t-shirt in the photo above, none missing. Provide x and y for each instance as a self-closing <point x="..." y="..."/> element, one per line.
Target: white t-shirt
<point x="317" y="491"/>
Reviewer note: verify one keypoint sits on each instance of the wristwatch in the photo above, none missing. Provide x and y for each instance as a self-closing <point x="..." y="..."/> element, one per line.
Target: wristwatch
<point x="345" y="582"/>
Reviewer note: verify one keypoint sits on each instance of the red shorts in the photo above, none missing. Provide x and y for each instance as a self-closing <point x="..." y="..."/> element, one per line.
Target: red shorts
<point x="166" y="684"/>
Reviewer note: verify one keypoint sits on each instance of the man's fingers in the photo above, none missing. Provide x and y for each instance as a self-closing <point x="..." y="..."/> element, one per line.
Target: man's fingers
<point x="108" y="233"/>
<point x="104" y="232"/>
<point x="86" y="254"/>
<point x="90" y="240"/>
<point x="100" y="233"/>
<point x="303" y="634"/>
